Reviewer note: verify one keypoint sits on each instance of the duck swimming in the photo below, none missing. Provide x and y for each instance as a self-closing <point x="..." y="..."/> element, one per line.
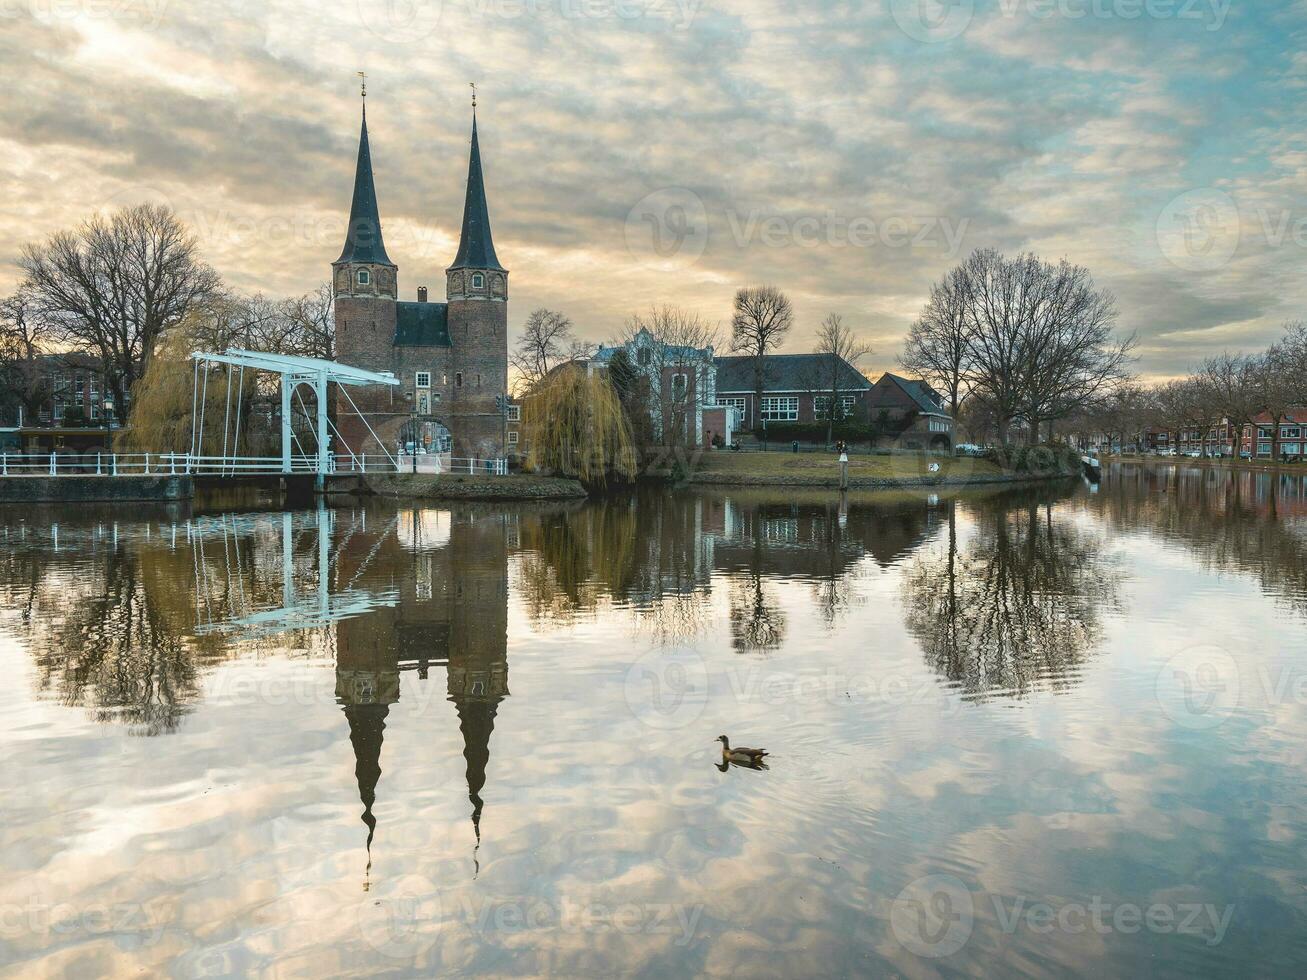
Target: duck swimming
<point x="741" y="755"/>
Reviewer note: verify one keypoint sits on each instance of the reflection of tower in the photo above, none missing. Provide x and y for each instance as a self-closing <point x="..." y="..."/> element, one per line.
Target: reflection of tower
<point x="451" y="569"/>
<point x="478" y="647"/>
<point x="367" y="684"/>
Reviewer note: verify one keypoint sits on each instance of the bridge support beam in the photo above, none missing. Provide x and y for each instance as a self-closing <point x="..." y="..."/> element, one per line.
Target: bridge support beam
<point x="286" y="387"/>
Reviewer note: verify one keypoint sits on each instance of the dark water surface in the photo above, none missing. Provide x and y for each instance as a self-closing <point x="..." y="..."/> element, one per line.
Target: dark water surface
<point x="1022" y="732"/>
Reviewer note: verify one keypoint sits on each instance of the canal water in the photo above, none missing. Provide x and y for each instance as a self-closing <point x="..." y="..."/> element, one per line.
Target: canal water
<point x="1016" y="732"/>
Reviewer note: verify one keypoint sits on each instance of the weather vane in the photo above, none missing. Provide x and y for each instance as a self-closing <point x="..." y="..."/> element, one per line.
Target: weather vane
<point x="363" y="80"/>
<point x="474" y="94"/>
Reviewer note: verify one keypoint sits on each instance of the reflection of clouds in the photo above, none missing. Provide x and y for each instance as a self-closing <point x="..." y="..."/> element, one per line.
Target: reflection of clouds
<point x="240" y="833"/>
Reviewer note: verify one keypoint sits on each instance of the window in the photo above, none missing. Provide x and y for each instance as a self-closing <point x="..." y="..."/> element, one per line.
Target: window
<point x="739" y="404"/>
<point x="1288" y="432"/>
<point x="458" y="379"/>
<point x="1263" y="449"/>
<point x="478" y="281"/>
<point x="514" y="413"/>
<point x="512" y="438"/>
<point x="424" y="379"/>
<point x="95" y="411"/>
<point x="679" y="385"/>
<point x="644" y="357"/>
<point x="478" y="380"/>
<point x="365" y="277"/>
<point x="780" y="409"/>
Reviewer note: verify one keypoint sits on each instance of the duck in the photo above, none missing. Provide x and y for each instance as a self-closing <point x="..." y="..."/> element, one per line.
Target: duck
<point x="741" y="755"/>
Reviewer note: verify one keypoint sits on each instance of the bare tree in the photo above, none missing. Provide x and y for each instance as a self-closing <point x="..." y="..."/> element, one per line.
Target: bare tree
<point x="1004" y="296"/>
<point x="24" y="340"/>
<point x="547" y="341"/>
<point x="1228" y="386"/>
<point x="763" y="316"/>
<point x="114" y="285"/>
<point x="937" y="348"/>
<point x="1071" y="357"/>
<point x="839" y="347"/>
<point x="677" y="360"/>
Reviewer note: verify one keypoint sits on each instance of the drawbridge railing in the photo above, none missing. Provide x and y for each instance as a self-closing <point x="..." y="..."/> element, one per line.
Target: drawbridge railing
<point x="186" y="464"/>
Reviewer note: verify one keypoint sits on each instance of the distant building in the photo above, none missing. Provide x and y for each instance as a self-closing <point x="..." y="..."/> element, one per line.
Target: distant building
<point x="682" y="386"/>
<point x="912" y="408"/>
<point x="795" y="389"/>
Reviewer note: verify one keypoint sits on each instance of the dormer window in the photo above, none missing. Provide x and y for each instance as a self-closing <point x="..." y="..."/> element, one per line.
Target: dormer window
<point x="365" y="277"/>
<point x="478" y="281"/>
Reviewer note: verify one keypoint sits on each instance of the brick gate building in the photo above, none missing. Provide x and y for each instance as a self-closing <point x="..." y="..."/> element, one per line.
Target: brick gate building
<point x="451" y="358"/>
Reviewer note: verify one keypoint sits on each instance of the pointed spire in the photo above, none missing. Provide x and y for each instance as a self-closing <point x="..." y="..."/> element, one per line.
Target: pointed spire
<point x="367" y="726"/>
<point x="363" y="242"/>
<point x="476" y="249"/>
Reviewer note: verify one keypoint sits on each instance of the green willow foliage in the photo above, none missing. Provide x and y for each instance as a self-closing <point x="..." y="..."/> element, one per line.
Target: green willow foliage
<point x="573" y="425"/>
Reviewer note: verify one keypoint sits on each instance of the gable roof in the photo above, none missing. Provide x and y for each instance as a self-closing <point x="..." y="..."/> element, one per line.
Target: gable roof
<point x="922" y="395"/>
<point x="787" y="372"/>
<point x="421" y="325"/>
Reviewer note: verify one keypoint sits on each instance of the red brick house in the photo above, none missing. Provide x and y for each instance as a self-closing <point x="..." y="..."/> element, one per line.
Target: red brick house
<point x="796" y="388"/>
<point x="916" y="407"/>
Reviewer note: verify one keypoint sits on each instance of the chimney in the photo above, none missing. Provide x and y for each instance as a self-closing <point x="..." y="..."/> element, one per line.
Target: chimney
<point x="422" y="294"/>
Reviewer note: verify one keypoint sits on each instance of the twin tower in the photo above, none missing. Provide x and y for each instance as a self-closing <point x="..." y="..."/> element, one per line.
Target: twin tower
<point x="451" y="358"/>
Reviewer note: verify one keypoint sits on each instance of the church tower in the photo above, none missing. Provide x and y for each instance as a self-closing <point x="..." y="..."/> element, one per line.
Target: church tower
<point x="364" y="280"/>
<point x="477" y="293"/>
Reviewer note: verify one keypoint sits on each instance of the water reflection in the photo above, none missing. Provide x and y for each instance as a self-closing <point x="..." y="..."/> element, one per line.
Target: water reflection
<point x="1055" y="775"/>
<point x="1237" y="521"/>
<point x="1019" y="604"/>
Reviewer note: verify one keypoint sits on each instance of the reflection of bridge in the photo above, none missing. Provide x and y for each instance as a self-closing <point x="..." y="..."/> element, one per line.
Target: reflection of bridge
<point x="223" y="537"/>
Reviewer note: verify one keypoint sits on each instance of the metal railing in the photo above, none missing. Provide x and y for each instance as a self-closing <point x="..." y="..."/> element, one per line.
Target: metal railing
<point x="179" y="464"/>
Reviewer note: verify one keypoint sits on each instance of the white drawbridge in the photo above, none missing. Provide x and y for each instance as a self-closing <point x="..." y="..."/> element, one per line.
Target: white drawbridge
<point x="293" y="371"/>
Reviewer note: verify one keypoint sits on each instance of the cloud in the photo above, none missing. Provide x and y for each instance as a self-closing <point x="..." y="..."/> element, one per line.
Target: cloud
<point x="1065" y="135"/>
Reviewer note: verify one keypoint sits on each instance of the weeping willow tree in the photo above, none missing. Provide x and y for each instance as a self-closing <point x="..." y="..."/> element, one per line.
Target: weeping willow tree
<point x="163" y="400"/>
<point x="573" y="425"/>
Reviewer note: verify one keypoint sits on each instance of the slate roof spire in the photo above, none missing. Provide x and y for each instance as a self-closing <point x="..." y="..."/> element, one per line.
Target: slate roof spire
<point x="363" y="242"/>
<point x="476" y="249"/>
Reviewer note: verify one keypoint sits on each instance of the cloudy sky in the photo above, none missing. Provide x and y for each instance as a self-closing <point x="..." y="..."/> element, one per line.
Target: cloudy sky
<point x="670" y="151"/>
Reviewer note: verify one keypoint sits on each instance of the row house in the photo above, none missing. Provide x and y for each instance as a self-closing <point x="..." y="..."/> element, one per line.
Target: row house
<point x="1254" y="441"/>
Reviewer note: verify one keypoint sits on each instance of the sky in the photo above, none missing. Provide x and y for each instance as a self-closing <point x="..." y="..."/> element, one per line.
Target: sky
<point x="642" y="152"/>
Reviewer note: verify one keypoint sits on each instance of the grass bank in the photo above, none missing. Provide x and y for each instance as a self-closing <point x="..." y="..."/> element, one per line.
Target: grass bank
<point x="461" y="486"/>
<point x="865" y="472"/>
